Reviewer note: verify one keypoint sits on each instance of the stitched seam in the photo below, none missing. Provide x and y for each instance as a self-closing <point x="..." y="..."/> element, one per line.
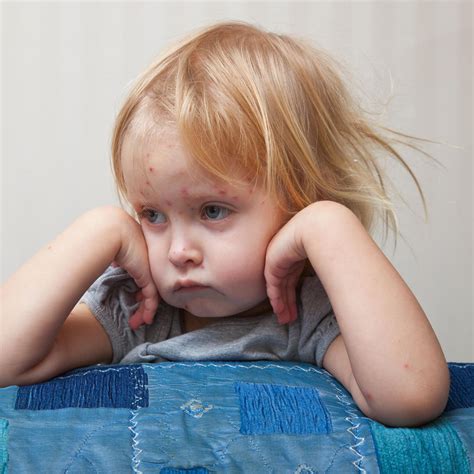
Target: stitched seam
<point x="84" y="442"/>
<point x="135" y="442"/>
<point x="358" y="441"/>
<point x="169" y="365"/>
<point x="460" y="365"/>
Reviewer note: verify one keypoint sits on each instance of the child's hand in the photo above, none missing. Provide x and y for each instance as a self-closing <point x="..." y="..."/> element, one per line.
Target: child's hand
<point x="133" y="258"/>
<point x="285" y="261"/>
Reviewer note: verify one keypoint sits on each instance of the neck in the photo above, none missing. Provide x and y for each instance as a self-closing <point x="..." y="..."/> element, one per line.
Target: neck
<point x="192" y="322"/>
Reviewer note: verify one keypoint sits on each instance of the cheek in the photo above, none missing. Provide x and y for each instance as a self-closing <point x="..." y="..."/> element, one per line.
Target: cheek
<point x="157" y="256"/>
<point x="241" y="267"/>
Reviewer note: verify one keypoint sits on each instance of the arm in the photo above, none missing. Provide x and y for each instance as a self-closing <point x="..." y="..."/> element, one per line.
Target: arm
<point x="36" y="301"/>
<point x="387" y="355"/>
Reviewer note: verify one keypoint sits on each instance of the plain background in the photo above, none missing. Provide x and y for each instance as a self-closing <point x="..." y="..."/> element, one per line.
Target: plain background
<point x="66" y="67"/>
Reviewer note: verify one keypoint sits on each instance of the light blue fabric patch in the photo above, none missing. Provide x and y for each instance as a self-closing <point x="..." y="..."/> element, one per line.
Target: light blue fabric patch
<point x="194" y="420"/>
<point x="98" y="387"/>
<point x="434" y="448"/>
<point x="3" y="446"/>
<point x="194" y="470"/>
<point x="272" y="409"/>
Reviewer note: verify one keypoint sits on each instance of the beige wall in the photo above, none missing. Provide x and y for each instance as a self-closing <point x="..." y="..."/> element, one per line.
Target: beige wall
<point x="66" y="67"/>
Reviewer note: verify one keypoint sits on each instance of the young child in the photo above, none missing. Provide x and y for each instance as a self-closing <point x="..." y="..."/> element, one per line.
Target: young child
<point x="254" y="184"/>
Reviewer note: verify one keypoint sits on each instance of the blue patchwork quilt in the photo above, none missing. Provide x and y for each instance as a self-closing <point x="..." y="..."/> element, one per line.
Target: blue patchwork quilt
<point x="224" y="417"/>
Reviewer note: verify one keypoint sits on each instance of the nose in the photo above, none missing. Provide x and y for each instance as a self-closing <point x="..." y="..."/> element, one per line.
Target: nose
<point x="183" y="252"/>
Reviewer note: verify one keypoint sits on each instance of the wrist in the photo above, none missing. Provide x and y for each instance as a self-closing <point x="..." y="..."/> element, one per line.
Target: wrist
<point x="322" y="224"/>
<point x="101" y="230"/>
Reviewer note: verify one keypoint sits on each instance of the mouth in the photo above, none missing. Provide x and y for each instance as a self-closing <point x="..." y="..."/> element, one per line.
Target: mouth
<point x="188" y="286"/>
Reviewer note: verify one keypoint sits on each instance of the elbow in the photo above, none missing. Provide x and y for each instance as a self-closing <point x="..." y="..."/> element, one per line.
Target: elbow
<point x="412" y="408"/>
<point x="7" y="380"/>
<point x="411" y="414"/>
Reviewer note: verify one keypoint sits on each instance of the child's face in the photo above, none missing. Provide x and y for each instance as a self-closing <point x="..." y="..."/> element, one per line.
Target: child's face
<point x="206" y="239"/>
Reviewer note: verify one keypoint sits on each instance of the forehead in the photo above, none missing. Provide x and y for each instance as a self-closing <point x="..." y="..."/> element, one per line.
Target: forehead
<point x="151" y="151"/>
<point x="156" y="162"/>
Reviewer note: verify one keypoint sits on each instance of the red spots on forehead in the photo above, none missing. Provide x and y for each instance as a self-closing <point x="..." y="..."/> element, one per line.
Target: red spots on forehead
<point x="184" y="191"/>
<point x="148" y="183"/>
<point x="151" y="169"/>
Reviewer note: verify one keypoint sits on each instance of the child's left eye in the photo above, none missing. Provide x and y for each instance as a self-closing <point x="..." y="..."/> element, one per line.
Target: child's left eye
<point x="214" y="212"/>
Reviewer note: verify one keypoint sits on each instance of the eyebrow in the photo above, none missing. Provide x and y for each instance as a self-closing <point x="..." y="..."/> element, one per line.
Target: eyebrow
<point x="191" y="195"/>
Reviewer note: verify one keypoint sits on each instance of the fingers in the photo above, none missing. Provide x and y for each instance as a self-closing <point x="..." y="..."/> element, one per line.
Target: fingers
<point x="281" y="291"/>
<point x="146" y="311"/>
<point x="136" y="320"/>
<point x="283" y="301"/>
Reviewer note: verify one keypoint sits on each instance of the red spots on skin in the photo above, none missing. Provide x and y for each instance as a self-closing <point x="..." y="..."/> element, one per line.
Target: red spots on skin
<point x="151" y="169"/>
<point x="184" y="192"/>
<point x="148" y="183"/>
<point x="168" y="203"/>
<point x="222" y="192"/>
<point x="406" y="365"/>
<point x="235" y="197"/>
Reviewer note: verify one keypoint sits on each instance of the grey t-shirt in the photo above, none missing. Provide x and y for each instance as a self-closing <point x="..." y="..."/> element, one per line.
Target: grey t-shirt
<point x="112" y="300"/>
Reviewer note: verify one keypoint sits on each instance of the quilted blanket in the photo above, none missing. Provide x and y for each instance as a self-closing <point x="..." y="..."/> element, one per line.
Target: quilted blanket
<point x="206" y="417"/>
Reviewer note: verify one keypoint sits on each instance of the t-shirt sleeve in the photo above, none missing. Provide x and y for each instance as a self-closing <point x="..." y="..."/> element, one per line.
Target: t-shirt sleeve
<point x="319" y="326"/>
<point x="111" y="299"/>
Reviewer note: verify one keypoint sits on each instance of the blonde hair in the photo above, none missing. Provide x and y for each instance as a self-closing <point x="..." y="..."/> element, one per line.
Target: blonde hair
<point x="271" y="106"/>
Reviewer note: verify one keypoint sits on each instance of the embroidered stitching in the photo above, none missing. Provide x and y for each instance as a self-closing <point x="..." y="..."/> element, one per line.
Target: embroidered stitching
<point x="341" y="396"/>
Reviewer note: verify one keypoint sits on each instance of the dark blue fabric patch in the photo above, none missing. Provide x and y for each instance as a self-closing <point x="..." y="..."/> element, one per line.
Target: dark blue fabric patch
<point x="270" y="409"/>
<point x="99" y="387"/>
<point x="461" y="391"/>
<point x="193" y="470"/>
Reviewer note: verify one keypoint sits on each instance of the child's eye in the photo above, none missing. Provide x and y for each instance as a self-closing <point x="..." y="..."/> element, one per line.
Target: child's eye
<point x="214" y="212"/>
<point x="154" y="217"/>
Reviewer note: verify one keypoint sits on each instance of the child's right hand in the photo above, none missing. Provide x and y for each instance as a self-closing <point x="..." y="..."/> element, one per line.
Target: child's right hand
<point x="41" y="309"/>
<point x="133" y="258"/>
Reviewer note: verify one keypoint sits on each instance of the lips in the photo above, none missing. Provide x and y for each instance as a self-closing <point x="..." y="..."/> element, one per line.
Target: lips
<point x="188" y="285"/>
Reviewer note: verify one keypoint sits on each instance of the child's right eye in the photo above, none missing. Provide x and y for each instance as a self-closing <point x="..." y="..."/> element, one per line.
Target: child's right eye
<point x="154" y="217"/>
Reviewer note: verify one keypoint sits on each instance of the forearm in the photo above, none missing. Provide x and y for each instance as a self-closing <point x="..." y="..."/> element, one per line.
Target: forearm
<point x="37" y="299"/>
<point x="395" y="357"/>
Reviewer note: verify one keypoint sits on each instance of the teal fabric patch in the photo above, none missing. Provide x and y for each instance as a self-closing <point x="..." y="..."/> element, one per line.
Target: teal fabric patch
<point x="434" y="448"/>
<point x="270" y="409"/>
<point x="3" y="445"/>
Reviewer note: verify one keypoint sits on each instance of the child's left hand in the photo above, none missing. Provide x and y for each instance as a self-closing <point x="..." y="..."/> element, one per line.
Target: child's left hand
<point x="285" y="261"/>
